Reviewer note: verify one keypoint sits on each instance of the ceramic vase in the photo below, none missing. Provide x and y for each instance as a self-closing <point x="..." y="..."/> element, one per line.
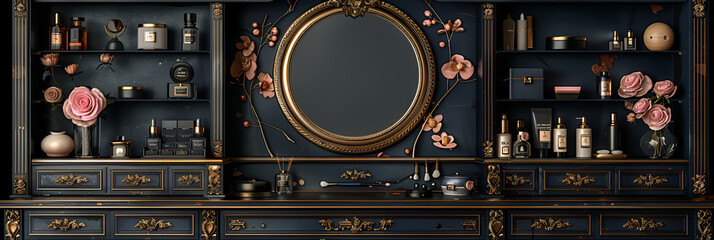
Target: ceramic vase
<point x="57" y="144"/>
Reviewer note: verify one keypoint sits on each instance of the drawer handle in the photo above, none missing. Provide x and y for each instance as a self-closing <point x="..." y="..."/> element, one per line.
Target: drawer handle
<point x="66" y="225"/>
<point x="153" y="224"/>
<point x="354" y="175"/>
<point x="136" y="180"/>
<point x="650" y="180"/>
<point x="470" y="225"/>
<point x="355" y="225"/>
<point x="188" y="179"/>
<point x="236" y="225"/>
<point x="70" y="180"/>
<point x="577" y="179"/>
<point x="515" y="180"/>
<point x="551" y="224"/>
<point x="642" y="224"/>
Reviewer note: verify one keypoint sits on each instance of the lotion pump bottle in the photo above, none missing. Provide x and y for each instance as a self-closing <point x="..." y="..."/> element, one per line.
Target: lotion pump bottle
<point x="522" y="33"/>
<point x="504" y="139"/>
<point x="583" y="139"/>
<point x="560" y="134"/>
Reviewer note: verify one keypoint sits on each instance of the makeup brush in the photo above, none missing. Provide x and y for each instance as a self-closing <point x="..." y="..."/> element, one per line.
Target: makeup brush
<point x="326" y="184"/>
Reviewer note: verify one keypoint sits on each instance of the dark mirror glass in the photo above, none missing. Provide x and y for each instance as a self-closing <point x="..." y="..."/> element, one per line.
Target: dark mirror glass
<point x="354" y="76"/>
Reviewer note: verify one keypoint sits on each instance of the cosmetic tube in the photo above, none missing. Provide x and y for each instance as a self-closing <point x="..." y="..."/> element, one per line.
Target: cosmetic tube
<point x="542" y="128"/>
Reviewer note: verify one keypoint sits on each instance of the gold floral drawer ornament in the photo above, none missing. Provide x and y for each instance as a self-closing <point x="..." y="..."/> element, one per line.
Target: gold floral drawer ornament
<point x="68" y="180"/>
<point x="566" y="180"/>
<point x="137" y="180"/>
<point x="355" y="225"/>
<point x="187" y="180"/>
<point x="644" y="224"/>
<point x="66" y="224"/>
<point x="519" y="180"/>
<point x="664" y="181"/>
<point x="155" y="225"/>
<point x="550" y="224"/>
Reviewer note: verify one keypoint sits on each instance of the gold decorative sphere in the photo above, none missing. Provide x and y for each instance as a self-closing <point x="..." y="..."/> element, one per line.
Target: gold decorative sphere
<point x="658" y="37"/>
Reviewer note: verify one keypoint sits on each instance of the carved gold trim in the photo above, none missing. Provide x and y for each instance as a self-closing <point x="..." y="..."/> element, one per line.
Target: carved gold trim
<point x="488" y="151"/>
<point x="495" y="224"/>
<point x="488" y="11"/>
<point x="12" y="224"/>
<point x="354" y="8"/>
<point x="551" y="224"/>
<point x="236" y="225"/>
<point x="577" y="180"/>
<point x="20" y="8"/>
<point x="650" y="180"/>
<point x="209" y="224"/>
<point x="217" y="9"/>
<point x="642" y="224"/>
<point x="355" y="225"/>
<point x="136" y="180"/>
<point x="515" y="180"/>
<point x="66" y="225"/>
<point x="20" y="185"/>
<point x="354" y="175"/>
<point x="494" y="180"/>
<point x="214" y="180"/>
<point x="218" y="149"/>
<point x="70" y="180"/>
<point x="699" y="8"/>
<point x="188" y="179"/>
<point x="704" y="224"/>
<point x="700" y="184"/>
<point x="153" y="224"/>
<point x="470" y="225"/>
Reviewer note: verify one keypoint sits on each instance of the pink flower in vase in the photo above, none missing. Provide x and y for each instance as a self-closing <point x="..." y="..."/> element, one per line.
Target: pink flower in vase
<point x="267" y="89"/>
<point x="83" y="106"/>
<point x="641" y="107"/>
<point x="71" y="69"/>
<point x="634" y="84"/>
<point x="657" y="117"/>
<point x="444" y="141"/>
<point x="665" y="88"/>
<point x="50" y="59"/>
<point x="460" y="65"/>
<point x="434" y="124"/>
<point x="53" y="95"/>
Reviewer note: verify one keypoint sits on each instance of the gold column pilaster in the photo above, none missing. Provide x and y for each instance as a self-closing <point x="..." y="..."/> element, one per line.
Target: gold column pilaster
<point x="700" y="108"/>
<point x="20" y="98"/>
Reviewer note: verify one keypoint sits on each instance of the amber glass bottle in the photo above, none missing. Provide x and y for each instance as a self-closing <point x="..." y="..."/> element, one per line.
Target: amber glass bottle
<point x="77" y="35"/>
<point x="58" y="34"/>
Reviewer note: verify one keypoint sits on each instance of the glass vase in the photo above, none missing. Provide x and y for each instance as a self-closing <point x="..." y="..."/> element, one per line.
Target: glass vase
<point x="86" y="141"/>
<point x="658" y="144"/>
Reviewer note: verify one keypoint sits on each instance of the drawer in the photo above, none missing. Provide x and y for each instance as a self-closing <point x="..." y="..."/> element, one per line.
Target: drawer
<point x="160" y="224"/>
<point x="519" y="180"/>
<point x="649" y="181"/>
<point x="66" y="224"/>
<point x="644" y="224"/>
<point x="137" y="180"/>
<point x="576" y="180"/>
<point x="69" y="180"/>
<point x="187" y="180"/>
<point x="362" y="225"/>
<point x="550" y="224"/>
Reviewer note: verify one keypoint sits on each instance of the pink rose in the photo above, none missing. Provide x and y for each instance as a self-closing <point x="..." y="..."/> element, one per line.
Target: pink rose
<point x="641" y="107"/>
<point x="657" y="117"/>
<point x="634" y="84"/>
<point x="53" y="95"/>
<point x="665" y="88"/>
<point x="83" y="106"/>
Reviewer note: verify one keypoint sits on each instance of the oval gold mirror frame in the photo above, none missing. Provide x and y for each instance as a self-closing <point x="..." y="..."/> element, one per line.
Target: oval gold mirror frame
<point x="355" y="144"/>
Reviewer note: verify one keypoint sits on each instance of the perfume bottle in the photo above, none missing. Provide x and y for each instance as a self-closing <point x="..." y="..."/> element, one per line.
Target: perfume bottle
<point x="58" y="34"/>
<point x="283" y="183"/>
<point x="153" y="142"/>
<point x="190" y="32"/>
<point x="604" y="85"/>
<point x="615" y="44"/>
<point x="521" y="148"/>
<point x="198" y="142"/>
<point x="583" y="139"/>
<point x="613" y="133"/>
<point x="560" y="133"/>
<point x="77" y="35"/>
<point x="630" y="41"/>
<point x="504" y="139"/>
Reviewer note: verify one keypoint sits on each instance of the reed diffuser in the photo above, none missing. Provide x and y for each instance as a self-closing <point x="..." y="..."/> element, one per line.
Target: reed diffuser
<point x="284" y="180"/>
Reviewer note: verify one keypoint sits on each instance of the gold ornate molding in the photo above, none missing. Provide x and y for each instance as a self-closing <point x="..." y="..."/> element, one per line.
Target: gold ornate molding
<point x="217" y="9"/>
<point x="236" y="225"/>
<point x="704" y="224"/>
<point x="218" y="149"/>
<point x="551" y="224"/>
<point x="20" y="8"/>
<point x="515" y="180"/>
<point x="470" y="225"/>
<point x="354" y="175"/>
<point x="214" y="180"/>
<point x="189" y="179"/>
<point x="495" y="224"/>
<point x="699" y="8"/>
<point x="488" y="11"/>
<point x="136" y="180"/>
<point x="12" y="224"/>
<point x="70" y="180"/>
<point x="20" y="185"/>
<point x="494" y="179"/>
<point x="153" y="224"/>
<point x="650" y="180"/>
<point x="354" y="8"/>
<point x="66" y="225"/>
<point x="488" y="149"/>
<point x="642" y="224"/>
<point x="209" y="224"/>
<point x="577" y="179"/>
<point x="700" y="184"/>
<point x="355" y="225"/>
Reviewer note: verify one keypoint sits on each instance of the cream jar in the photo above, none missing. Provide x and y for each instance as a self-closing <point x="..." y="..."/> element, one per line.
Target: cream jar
<point x="151" y="36"/>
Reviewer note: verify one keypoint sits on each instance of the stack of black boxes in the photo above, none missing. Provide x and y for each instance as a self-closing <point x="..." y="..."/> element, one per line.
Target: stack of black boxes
<point x="179" y="139"/>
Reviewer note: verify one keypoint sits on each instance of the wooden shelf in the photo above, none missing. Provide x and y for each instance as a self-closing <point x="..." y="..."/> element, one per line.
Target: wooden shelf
<point x="157" y="100"/>
<point x="645" y="52"/>
<point x="124" y="52"/>
<point x="585" y="161"/>
<point x="579" y="100"/>
<point x="358" y="159"/>
<point x="127" y="161"/>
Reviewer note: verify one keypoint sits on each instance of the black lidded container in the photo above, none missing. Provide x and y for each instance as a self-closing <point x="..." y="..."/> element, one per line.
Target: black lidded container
<point x="566" y="43"/>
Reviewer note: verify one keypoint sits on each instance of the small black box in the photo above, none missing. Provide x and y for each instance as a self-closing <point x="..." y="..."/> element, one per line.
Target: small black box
<point x="182" y="90"/>
<point x="169" y="130"/>
<point x="183" y="145"/>
<point x="526" y="83"/>
<point x="181" y="152"/>
<point x="153" y="143"/>
<point x="185" y="130"/>
<point x="167" y="152"/>
<point x="151" y="152"/>
<point x="169" y="145"/>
